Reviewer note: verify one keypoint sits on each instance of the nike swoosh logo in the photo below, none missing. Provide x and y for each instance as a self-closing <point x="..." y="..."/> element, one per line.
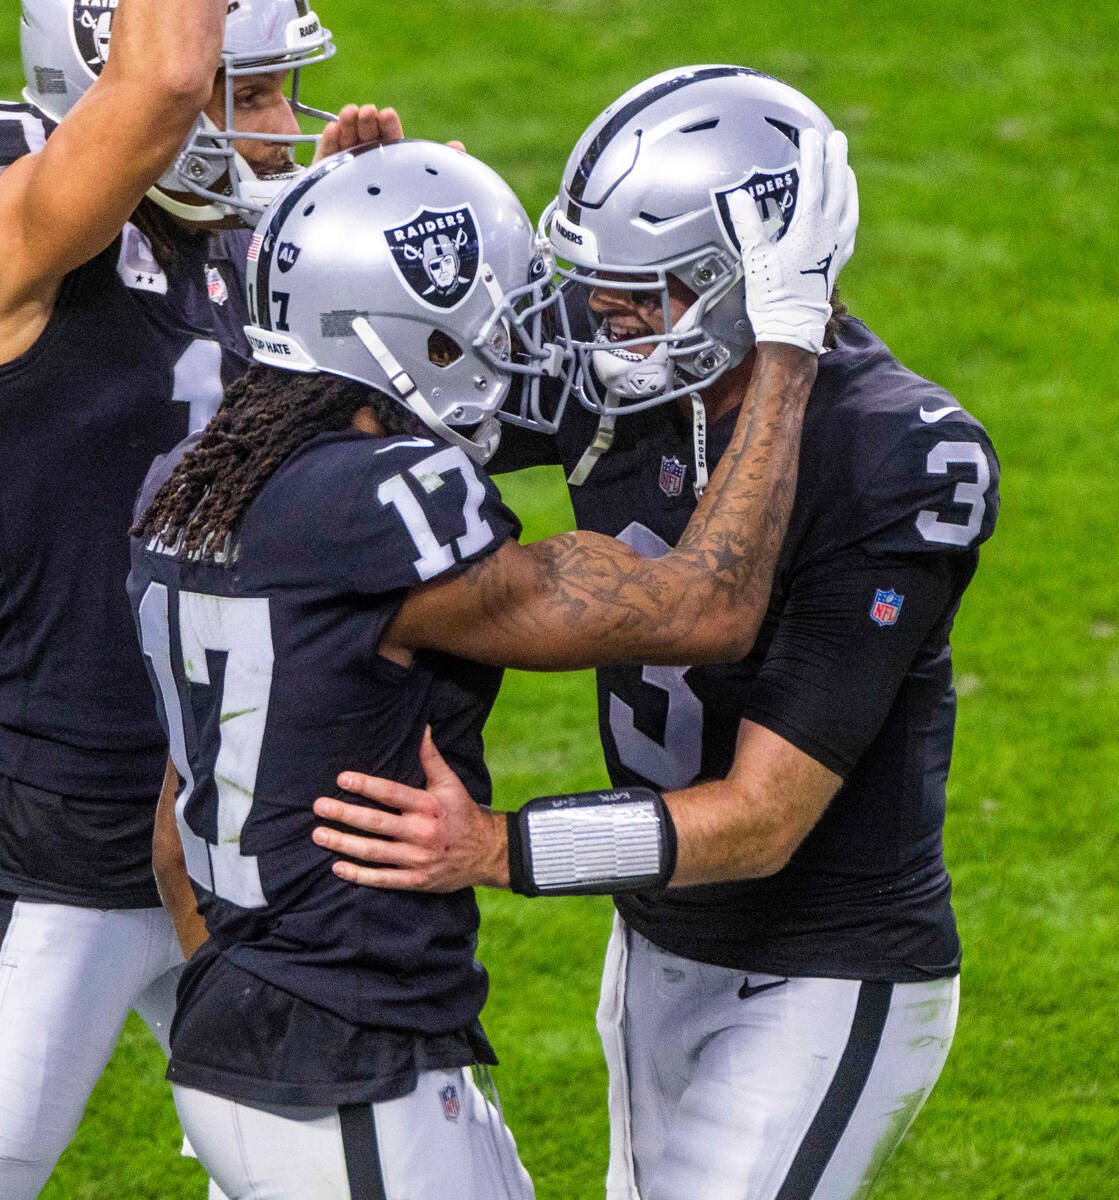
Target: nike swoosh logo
<point x="931" y="417"/>
<point x="746" y="991"/>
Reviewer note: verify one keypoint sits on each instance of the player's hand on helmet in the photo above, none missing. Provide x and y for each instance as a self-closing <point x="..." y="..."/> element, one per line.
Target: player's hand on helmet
<point x="436" y="840"/>
<point x="789" y="282"/>
<point x="355" y="126"/>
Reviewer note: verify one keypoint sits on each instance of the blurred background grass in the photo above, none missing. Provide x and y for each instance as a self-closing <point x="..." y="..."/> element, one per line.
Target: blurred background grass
<point x="985" y="139"/>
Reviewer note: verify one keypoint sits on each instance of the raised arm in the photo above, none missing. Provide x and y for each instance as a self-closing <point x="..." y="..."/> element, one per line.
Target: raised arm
<point x="63" y="205"/>
<point x="582" y="598"/>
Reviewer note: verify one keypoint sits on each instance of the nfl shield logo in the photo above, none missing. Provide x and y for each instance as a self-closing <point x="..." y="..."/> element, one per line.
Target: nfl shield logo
<point x="448" y="1097"/>
<point x="672" y="476"/>
<point x="215" y="286"/>
<point x="436" y="253"/>
<point x="886" y="607"/>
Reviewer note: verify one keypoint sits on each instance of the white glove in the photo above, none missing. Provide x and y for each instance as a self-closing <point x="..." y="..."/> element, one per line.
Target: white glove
<point x="789" y="283"/>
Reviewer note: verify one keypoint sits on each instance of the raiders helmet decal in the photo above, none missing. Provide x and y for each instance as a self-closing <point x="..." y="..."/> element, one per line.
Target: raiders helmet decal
<point x="775" y="193"/>
<point x="93" y="20"/>
<point x="437" y="253"/>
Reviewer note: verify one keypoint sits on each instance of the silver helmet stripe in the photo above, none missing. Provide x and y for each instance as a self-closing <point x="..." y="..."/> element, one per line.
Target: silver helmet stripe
<point x="576" y="189"/>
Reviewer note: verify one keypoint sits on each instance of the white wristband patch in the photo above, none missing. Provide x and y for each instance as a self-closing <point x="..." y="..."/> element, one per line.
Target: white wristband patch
<point x="570" y="846"/>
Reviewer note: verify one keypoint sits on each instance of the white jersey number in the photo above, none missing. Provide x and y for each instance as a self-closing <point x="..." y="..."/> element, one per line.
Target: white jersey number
<point x="676" y="762"/>
<point x="436" y="557"/>
<point x="240" y="628"/>
<point x="198" y="381"/>
<point x="940" y="458"/>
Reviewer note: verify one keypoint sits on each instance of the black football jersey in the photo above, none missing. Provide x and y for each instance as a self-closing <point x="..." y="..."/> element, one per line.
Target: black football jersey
<point x="897" y="489"/>
<point x="132" y="359"/>
<point x="270" y="683"/>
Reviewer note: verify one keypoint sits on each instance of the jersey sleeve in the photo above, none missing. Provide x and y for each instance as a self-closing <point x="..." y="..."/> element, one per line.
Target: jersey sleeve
<point x="936" y="490"/>
<point x="427" y="510"/>
<point x="850" y="631"/>
<point x="23" y="130"/>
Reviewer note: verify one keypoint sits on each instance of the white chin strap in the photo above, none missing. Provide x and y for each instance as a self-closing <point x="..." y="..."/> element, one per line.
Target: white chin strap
<point x="479" y="449"/>
<point x="699" y="444"/>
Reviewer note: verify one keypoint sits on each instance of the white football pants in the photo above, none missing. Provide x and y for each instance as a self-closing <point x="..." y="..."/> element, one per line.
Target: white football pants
<point x="444" y="1139"/>
<point x="800" y="1090"/>
<point x="68" y="978"/>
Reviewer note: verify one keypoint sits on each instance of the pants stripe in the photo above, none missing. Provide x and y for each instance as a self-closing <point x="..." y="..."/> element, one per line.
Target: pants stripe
<point x="7" y="907"/>
<point x="839" y="1102"/>
<point x="359" y="1144"/>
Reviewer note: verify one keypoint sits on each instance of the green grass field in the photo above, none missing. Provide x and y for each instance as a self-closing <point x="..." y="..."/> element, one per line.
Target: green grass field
<point x="985" y="138"/>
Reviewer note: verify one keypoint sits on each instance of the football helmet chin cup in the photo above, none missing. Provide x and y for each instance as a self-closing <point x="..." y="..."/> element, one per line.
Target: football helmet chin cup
<point x="640" y="204"/>
<point x="65" y="44"/>
<point x="413" y="268"/>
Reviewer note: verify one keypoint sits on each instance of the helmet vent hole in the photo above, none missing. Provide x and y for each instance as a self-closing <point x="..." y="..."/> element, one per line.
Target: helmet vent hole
<point x="783" y="127"/>
<point x="699" y="126"/>
<point x="442" y="350"/>
<point x="431" y="170"/>
<point x="373" y="190"/>
<point x="308" y="210"/>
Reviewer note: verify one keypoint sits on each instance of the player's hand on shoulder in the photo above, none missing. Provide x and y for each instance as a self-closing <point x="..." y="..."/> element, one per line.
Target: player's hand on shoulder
<point x="789" y="281"/>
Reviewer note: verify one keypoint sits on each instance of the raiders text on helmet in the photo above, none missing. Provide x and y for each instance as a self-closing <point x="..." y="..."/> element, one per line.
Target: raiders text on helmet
<point x="414" y="269"/>
<point x="65" y="45"/>
<point x="644" y="198"/>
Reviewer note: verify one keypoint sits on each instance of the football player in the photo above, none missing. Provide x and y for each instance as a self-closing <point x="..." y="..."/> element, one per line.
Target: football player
<point x="775" y="1018"/>
<point x="120" y="320"/>
<point x="308" y="576"/>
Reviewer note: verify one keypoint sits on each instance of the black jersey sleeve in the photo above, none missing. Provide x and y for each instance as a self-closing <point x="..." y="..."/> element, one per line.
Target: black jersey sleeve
<point x="851" y="630"/>
<point x="23" y="130"/>
<point x="935" y="490"/>
<point x="425" y="511"/>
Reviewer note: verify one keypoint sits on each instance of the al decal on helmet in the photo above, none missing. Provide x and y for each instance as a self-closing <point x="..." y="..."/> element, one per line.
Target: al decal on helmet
<point x="436" y="253"/>
<point x="93" y="20"/>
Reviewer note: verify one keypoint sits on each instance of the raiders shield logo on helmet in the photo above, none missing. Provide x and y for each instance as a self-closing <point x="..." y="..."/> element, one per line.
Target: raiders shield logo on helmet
<point x="92" y="22"/>
<point x="437" y="253"/>
<point x="774" y="192"/>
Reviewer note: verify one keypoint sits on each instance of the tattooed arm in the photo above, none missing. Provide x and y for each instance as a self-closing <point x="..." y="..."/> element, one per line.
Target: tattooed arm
<point x="582" y="599"/>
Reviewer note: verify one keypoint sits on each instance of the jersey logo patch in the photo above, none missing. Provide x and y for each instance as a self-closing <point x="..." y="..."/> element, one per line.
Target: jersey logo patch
<point x="671" y="479"/>
<point x="775" y="194"/>
<point x="136" y="264"/>
<point x="886" y="607"/>
<point x="436" y="253"/>
<point x="448" y="1097"/>
<point x="92" y="22"/>
<point x="215" y="286"/>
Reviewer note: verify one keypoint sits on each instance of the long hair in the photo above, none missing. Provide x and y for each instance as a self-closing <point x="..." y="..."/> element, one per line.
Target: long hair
<point x="265" y="416"/>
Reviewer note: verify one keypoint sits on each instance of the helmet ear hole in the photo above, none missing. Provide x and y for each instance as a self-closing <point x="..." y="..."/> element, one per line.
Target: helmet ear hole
<point x="443" y="350"/>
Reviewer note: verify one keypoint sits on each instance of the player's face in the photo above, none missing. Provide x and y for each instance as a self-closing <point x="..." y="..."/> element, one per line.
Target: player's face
<point x="633" y="313"/>
<point x="260" y="105"/>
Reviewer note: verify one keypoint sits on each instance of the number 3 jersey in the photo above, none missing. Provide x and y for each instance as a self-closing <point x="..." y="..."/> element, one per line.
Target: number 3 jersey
<point x="314" y="990"/>
<point x="133" y="357"/>
<point x="897" y="488"/>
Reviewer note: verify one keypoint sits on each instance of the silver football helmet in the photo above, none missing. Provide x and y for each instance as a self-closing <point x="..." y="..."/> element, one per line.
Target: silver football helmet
<point x="413" y="269"/>
<point x="643" y="200"/>
<point x="65" y="44"/>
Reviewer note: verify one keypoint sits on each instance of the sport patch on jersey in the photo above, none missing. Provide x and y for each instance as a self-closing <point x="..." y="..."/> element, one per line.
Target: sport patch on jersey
<point x="93" y="20"/>
<point x="775" y="194"/>
<point x="436" y="253"/>
<point x="886" y="607"/>
<point x="215" y="286"/>
<point x="671" y="478"/>
<point x="136" y="264"/>
<point x="448" y="1098"/>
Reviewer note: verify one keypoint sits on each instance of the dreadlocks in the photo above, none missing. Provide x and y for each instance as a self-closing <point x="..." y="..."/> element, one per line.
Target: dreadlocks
<point x="265" y="416"/>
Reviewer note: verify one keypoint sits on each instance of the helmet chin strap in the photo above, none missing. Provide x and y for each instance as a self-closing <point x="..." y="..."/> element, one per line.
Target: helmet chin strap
<point x="699" y="443"/>
<point x="488" y="431"/>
